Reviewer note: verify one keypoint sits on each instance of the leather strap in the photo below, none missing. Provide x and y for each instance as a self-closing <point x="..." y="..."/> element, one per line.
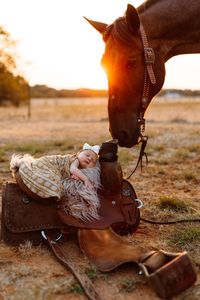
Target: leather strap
<point x="149" y="55"/>
<point x="143" y="140"/>
<point x="80" y="276"/>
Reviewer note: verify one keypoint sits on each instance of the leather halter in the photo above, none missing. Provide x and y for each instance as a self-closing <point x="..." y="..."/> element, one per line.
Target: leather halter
<point x="149" y="58"/>
<point x="149" y="76"/>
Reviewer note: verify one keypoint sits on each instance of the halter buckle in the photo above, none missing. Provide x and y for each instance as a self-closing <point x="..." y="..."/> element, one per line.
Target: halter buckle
<point x="141" y="122"/>
<point x="149" y="55"/>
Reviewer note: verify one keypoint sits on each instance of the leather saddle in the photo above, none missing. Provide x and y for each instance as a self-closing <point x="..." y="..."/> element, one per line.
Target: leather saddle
<point x="101" y="239"/>
<point x="118" y="199"/>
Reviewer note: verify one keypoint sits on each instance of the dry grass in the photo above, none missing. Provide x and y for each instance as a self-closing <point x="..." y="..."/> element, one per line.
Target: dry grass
<point x="169" y="188"/>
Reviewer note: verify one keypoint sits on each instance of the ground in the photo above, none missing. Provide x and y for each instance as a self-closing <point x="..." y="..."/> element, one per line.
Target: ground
<point x="169" y="188"/>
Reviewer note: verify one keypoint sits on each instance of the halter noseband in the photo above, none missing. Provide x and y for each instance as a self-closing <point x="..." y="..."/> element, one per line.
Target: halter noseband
<point x="149" y="58"/>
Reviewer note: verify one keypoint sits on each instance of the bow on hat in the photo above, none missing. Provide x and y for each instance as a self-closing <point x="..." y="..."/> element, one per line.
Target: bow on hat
<point x="94" y="148"/>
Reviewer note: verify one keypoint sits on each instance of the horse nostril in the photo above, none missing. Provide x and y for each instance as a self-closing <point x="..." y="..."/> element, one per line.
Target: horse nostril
<point x="126" y="140"/>
<point x="123" y="136"/>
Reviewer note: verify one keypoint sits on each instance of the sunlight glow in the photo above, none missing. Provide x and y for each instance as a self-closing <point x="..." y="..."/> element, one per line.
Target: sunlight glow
<point x="60" y="49"/>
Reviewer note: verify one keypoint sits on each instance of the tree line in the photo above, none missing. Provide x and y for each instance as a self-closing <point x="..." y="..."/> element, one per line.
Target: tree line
<point x="43" y="91"/>
<point x="180" y="93"/>
<point x="13" y="86"/>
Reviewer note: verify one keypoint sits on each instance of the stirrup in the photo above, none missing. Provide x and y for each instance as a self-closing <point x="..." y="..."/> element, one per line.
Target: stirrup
<point x="168" y="273"/>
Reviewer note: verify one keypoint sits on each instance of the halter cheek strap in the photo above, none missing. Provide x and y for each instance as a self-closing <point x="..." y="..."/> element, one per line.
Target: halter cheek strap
<point x="149" y="55"/>
<point x="149" y="76"/>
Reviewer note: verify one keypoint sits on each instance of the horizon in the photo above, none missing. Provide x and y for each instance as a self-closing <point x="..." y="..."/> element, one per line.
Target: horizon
<point x="96" y="89"/>
<point x="61" y="50"/>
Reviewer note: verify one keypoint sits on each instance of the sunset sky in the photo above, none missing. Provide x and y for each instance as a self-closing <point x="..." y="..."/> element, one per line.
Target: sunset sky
<point x="60" y="49"/>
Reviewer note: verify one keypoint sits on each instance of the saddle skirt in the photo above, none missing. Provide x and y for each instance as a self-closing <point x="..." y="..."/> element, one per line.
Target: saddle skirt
<point x="119" y="212"/>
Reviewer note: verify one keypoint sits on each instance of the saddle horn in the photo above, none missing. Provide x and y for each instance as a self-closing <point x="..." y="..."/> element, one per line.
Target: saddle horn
<point x="100" y="27"/>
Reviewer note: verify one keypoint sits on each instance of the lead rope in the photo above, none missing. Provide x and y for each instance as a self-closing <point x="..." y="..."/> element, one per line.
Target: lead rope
<point x="143" y="140"/>
<point x="169" y="222"/>
<point x="82" y="278"/>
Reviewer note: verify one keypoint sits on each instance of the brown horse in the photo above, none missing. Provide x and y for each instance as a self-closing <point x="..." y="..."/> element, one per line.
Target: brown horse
<point x="137" y="46"/>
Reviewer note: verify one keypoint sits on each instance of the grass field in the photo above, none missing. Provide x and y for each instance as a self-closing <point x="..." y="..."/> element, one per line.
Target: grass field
<point x="169" y="188"/>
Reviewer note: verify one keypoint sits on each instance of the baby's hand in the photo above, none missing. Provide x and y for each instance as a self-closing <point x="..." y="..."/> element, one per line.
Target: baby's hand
<point x="75" y="177"/>
<point x="88" y="184"/>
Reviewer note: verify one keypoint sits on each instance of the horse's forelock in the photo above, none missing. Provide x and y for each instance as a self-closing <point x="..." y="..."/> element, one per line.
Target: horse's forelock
<point x="119" y="31"/>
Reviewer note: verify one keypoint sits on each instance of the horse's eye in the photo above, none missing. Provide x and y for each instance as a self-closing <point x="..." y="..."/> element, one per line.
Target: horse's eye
<point x="130" y="64"/>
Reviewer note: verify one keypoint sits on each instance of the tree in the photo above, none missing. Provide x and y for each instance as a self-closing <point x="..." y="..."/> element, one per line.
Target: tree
<point x="13" y="86"/>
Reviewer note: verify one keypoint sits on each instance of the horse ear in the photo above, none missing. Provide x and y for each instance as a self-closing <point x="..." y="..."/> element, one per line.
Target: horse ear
<point x="132" y="18"/>
<point x="100" y="27"/>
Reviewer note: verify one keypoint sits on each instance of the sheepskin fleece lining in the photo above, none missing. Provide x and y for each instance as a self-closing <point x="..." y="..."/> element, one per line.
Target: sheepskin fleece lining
<point x="80" y="201"/>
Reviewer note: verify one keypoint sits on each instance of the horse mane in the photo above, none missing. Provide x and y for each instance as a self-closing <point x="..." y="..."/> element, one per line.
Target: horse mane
<point x="146" y="5"/>
<point x="119" y="30"/>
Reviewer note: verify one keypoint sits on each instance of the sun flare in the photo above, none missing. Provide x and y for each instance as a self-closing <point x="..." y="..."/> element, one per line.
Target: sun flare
<point x="60" y="49"/>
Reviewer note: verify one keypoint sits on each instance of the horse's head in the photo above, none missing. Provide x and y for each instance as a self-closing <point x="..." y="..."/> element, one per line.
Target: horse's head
<point x="128" y="79"/>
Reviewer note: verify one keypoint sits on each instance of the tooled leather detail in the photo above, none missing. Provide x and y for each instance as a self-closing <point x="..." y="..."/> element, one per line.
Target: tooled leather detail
<point x="12" y="225"/>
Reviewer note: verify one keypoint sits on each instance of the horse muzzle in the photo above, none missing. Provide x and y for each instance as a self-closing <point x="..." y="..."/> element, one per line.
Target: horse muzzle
<point x="125" y="137"/>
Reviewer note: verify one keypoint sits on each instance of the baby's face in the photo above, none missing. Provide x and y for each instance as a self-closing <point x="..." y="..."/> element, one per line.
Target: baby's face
<point x="87" y="159"/>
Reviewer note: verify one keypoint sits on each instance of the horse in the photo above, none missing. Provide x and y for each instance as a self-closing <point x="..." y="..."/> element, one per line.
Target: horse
<point x="137" y="45"/>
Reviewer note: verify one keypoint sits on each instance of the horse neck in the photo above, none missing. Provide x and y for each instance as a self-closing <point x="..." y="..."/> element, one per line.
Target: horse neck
<point x="172" y="27"/>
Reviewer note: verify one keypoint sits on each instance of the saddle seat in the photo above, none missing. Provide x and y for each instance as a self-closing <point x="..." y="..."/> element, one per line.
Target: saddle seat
<point x="119" y="210"/>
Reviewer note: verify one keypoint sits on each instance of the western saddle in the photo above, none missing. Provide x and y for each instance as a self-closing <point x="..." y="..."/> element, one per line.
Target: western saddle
<point x="101" y="240"/>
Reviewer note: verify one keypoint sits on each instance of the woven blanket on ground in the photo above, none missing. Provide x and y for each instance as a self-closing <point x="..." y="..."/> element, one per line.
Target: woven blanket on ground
<point x="44" y="175"/>
<point x="49" y="176"/>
